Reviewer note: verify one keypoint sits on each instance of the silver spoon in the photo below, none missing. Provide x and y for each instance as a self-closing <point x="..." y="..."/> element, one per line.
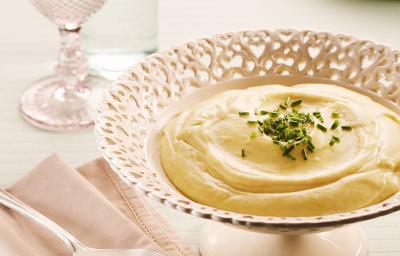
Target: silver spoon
<point x="76" y="247"/>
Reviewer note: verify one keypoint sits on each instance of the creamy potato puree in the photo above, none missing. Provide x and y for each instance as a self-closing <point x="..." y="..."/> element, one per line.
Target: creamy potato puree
<point x="201" y="154"/>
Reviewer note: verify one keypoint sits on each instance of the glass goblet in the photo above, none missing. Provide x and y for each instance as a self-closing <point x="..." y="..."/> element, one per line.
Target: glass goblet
<point x="65" y="100"/>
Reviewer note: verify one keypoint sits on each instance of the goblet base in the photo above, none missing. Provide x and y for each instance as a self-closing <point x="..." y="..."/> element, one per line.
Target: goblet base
<point x="47" y="104"/>
<point x="225" y="240"/>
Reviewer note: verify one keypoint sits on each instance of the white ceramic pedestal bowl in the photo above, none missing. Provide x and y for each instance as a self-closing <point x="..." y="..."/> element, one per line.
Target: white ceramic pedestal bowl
<point x="137" y="106"/>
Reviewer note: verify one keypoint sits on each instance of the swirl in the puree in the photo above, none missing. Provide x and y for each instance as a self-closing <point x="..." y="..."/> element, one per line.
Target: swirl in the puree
<point x="215" y="157"/>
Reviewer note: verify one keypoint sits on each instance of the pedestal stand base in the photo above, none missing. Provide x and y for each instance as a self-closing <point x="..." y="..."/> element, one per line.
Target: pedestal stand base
<point x="225" y="240"/>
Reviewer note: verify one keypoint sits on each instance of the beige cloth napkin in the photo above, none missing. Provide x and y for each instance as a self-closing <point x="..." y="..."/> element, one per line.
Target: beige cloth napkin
<point x="92" y="203"/>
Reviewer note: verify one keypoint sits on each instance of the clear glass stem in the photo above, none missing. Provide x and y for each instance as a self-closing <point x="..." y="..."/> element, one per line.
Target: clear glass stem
<point x="72" y="66"/>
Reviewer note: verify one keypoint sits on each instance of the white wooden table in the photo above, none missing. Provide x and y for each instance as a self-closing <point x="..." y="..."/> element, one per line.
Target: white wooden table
<point x="29" y="43"/>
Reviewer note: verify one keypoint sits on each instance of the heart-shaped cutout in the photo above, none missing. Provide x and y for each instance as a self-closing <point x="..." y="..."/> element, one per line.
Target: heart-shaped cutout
<point x="313" y="52"/>
<point x="257" y="50"/>
<point x="285" y="36"/>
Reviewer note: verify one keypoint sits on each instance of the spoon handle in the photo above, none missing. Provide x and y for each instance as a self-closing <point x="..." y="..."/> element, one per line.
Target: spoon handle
<point x="11" y="202"/>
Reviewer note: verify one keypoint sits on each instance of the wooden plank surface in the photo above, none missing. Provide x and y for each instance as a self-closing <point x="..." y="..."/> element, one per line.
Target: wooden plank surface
<point x="29" y="43"/>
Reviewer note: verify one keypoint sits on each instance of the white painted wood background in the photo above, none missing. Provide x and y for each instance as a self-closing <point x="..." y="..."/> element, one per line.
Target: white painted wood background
<point x="29" y="43"/>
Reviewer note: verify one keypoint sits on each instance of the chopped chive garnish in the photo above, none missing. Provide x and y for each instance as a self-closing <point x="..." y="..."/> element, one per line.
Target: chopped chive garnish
<point x="297" y="119"/>
<point x="319" y="116"/>
<point x="346" y="128"/>
<point x="310" y="144"/>
<point x="304" y="153"/>
<point x="321" y="127"/>
<point x="334" y="140"/>
<point x="290" y="156"/>
<point x="335" y="115"/>
<point x="273" y="114"/>
<point x="267" y="130"/>
<point x="296" y="103"/>
<point x="289" y="149"/>
<point x="289" y="129"/>
<point x="335" y="125"/>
